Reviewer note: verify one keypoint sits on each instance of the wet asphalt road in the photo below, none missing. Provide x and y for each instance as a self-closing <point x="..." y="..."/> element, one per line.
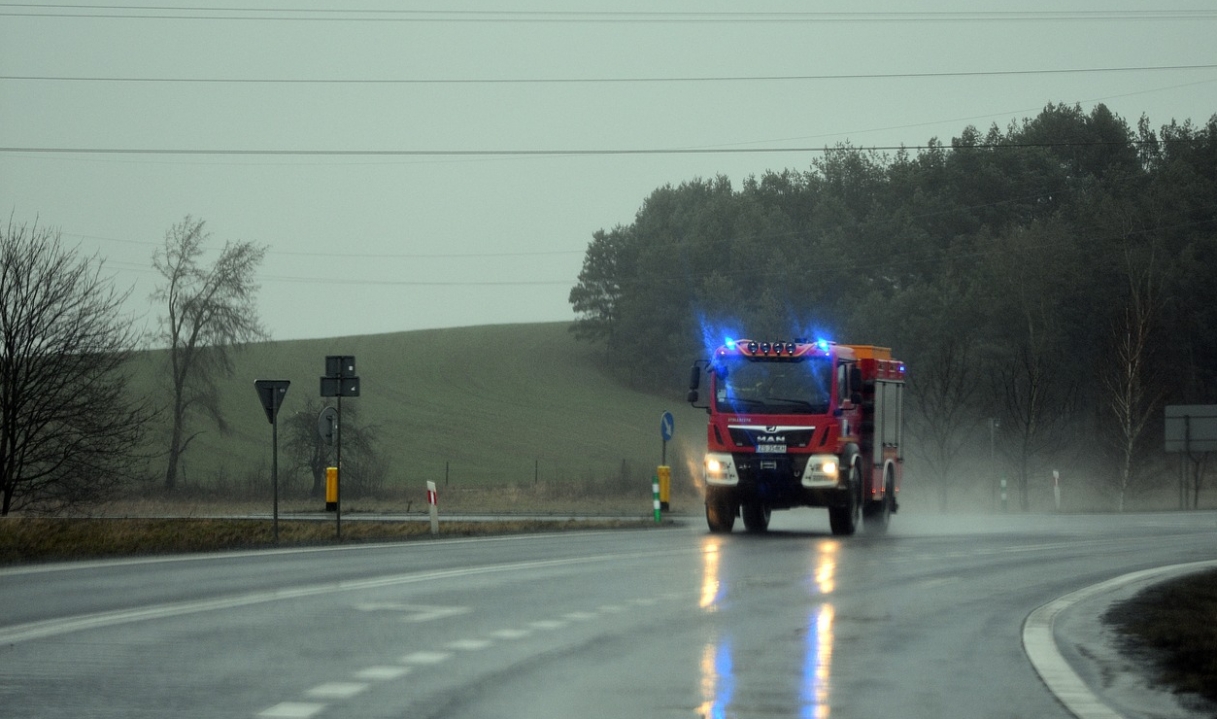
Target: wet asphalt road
<point x="923" y="622"/>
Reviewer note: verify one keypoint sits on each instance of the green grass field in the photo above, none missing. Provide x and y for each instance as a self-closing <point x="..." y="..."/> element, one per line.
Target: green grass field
<point x="474" y="408"/>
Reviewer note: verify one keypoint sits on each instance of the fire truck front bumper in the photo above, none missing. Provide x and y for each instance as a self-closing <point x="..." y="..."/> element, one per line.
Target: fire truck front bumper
<point x="820" y="471"/>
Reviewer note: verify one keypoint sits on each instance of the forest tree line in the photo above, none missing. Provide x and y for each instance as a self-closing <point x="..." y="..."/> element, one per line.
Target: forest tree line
<point x="1051" y="287"/>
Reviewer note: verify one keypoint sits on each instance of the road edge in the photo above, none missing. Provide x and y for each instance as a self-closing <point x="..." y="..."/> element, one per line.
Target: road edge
<point x="1039" y="641"/>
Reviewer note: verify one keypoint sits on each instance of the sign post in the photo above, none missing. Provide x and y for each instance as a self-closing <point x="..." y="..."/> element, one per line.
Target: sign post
<point x="1190" y="428"/>
<point x="667" y="426"/>
<point x="271" y="393"/>
<point x="339" y="381"/>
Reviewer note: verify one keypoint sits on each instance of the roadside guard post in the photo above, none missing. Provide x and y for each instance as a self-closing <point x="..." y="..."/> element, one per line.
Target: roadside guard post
<point x="433" y="507"/>
<point x="331" y="489"/>
<point x="655" y="495"/>
<point x="665" y="487"/>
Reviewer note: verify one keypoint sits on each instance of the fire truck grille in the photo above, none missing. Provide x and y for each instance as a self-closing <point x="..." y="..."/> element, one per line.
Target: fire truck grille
<point x="751" y="436"/>
<point x="775" y="478"/>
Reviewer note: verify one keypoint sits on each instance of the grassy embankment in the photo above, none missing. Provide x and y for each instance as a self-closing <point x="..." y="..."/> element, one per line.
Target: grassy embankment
<point x="513" y="417"/>
<point x="1174" y="625"/>
<point x="517" y="418"/>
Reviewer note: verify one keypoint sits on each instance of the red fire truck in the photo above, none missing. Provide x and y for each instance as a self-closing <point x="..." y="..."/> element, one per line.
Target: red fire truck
<point x="801" y="424"/>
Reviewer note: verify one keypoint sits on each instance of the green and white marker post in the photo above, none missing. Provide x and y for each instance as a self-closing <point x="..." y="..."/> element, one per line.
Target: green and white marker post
<point x="655" y="494"/>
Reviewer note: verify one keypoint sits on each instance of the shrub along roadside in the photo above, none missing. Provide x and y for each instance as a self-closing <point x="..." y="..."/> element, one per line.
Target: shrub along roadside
<point x="24" y="540"/>
<point x="1174" y="625"/>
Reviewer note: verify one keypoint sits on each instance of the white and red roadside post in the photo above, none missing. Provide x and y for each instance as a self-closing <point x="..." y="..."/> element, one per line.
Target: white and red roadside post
<point x="433" y="507"/>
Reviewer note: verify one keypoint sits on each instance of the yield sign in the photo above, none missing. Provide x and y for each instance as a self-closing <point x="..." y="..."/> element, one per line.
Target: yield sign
<point x="271" y="393"/>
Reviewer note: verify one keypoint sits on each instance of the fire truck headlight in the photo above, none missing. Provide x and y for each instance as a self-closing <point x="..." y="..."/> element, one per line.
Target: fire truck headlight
<point x="823" y="470"/>
<point x="720" y="470"/>
<point x="829" y="468"/>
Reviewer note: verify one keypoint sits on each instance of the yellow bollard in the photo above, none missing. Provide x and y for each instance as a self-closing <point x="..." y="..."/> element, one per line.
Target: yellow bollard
<point x="331" y="489"/>
<point x="665" y="487"/>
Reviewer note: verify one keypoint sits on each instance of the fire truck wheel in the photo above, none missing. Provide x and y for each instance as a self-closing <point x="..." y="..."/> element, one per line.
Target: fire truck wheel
<point x="875" y="520"/>
<point x="756" y="517"/>
<point x="844" y="519"/>
<point x="720" y="513"/>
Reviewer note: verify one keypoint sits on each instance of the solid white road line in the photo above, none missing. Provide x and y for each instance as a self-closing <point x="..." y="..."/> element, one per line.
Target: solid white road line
<point x="1039" y="642"/>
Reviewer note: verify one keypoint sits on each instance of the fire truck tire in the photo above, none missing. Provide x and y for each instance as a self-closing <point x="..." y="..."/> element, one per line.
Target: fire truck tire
<point x="878" y="515"/>
<point x="720" y="513"/>
<point x="844" y="519"/>
<point x="756" y="517"/>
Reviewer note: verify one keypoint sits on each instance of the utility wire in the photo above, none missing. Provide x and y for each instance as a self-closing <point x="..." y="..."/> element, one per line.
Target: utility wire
<point x="167" y="12"/>
<point x="597" y="80"/>
<point x="539" y="153"/>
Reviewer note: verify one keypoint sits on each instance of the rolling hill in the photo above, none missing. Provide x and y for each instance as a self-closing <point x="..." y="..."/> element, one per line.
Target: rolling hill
<point x="480" y="407"/>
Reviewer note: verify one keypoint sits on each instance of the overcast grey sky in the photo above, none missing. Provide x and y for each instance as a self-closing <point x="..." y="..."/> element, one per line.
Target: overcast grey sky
<point x="389" y="241"/>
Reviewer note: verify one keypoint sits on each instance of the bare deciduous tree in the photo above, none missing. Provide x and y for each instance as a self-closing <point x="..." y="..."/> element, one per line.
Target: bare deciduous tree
<point x="209" y="310"/>
<point x="68" y="427"/>
<point x="1029" y="383"/>
<point x="940" y="394"/>
<point x="1131" y="397"/>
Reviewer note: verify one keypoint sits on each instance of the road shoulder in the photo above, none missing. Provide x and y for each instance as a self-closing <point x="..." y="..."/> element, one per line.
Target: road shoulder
<point x="1079" y="659"/>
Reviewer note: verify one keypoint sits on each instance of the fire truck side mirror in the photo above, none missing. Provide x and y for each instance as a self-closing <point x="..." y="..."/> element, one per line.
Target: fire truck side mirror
<point x="694" y="383"/>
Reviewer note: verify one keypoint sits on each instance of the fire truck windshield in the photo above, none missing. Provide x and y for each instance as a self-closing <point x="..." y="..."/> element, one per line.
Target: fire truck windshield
<point x="746" y="386"/>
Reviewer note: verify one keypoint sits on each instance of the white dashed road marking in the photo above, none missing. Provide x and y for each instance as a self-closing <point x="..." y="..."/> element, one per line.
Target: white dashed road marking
<point x="336" y="690"/>
<point x="426" y="657"/>
<point x="292" y="710"/>
<point x="414" y="612"/>
<point x="548" y="624"/>
<point x="381" y="674"/>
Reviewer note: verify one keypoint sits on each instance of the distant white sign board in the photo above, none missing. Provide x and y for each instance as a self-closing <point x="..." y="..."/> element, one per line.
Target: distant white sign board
<point x="1191" y="428"/>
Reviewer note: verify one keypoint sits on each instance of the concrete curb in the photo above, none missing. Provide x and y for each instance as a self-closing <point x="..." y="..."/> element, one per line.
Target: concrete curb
<point x="1039" y="641"/>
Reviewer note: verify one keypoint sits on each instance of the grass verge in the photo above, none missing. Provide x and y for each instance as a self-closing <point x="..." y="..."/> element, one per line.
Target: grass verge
<point x="29" y="540"/>
<point x="1174" y="625"/>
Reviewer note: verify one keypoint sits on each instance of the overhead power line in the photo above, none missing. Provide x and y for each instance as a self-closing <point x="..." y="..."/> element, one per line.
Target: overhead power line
<point x="599" y="80"/>
<point x="532" y="153"/>
<point x="342" y="14"/>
